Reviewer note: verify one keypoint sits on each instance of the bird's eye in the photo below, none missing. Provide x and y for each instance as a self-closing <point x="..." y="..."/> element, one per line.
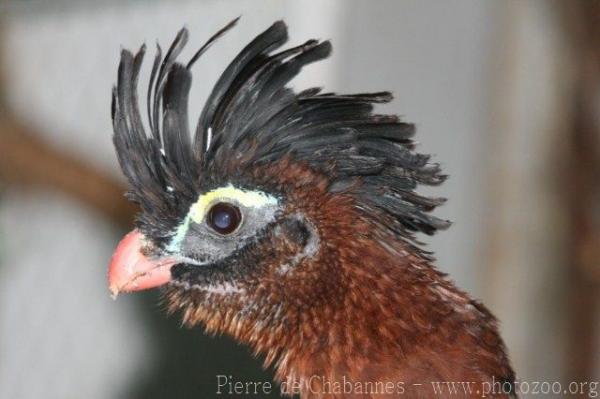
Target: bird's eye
<point x="224" y="218"/>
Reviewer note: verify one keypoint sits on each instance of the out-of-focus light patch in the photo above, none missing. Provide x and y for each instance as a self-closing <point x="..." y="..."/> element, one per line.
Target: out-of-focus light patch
<point x="58" y="326"/>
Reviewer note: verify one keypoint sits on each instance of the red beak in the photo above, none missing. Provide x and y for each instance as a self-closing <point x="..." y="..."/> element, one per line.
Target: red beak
<point x="130" y="270"/>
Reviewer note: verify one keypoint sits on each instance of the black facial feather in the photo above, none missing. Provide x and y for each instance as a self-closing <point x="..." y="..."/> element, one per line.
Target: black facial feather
<point x="252" y="119"/>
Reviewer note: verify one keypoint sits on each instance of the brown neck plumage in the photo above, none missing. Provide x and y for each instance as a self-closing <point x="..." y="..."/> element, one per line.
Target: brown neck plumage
<point x="367" y="306"/>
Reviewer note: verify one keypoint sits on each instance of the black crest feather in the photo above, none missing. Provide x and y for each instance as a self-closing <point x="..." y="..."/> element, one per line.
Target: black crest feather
<point x="252" y="115"/>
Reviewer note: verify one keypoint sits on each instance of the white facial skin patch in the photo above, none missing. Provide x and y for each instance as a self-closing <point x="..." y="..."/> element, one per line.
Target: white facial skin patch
<point x="229" y="194"/>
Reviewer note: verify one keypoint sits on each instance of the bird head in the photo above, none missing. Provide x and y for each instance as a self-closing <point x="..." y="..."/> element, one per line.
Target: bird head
<point x="267" y="212"/>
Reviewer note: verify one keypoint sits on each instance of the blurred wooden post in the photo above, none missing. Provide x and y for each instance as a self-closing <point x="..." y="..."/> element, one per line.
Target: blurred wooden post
<point x="582" y="185"/>
<point x="26" y="160"/>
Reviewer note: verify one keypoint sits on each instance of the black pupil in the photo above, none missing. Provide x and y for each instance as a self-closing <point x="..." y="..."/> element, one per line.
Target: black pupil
<point x="224" y="218"/>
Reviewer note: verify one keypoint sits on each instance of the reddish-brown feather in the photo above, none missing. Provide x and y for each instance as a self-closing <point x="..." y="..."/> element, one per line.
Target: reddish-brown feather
<point x="365" y="308"/>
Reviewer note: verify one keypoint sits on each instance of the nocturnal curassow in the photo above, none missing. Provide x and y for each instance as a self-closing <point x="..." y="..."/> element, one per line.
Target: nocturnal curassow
<point x="289" y="222"/>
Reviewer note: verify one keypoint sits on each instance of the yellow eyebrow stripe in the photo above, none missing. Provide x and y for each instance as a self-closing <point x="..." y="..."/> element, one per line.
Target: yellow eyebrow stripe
<point x="254" y="199"/>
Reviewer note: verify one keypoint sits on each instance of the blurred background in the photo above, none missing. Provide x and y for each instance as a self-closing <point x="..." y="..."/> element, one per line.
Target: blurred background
<point x="506" y="94"/>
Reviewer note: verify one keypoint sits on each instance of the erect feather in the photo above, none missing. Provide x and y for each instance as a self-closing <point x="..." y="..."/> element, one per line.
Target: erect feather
<point x="211" y="41"/>
<point x="254" y="119"/>
<point x="270" y="39"/>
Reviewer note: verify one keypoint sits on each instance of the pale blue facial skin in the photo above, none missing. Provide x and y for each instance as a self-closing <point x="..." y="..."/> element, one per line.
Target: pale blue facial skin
<point x="195" y="241"/>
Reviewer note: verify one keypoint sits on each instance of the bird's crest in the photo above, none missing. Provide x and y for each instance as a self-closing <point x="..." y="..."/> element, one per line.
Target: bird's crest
<point x="251" y="119"/>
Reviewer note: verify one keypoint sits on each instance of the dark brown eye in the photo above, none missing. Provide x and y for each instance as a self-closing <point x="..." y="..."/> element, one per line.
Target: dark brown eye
<point x="224" y="218"/>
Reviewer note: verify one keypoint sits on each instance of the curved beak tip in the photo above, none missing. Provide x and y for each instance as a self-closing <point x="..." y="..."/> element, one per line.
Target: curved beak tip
<point x="131" y="270"/>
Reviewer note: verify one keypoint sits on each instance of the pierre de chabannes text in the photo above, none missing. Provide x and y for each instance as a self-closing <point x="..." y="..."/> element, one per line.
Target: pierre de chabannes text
<point x="228" y="385"/>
